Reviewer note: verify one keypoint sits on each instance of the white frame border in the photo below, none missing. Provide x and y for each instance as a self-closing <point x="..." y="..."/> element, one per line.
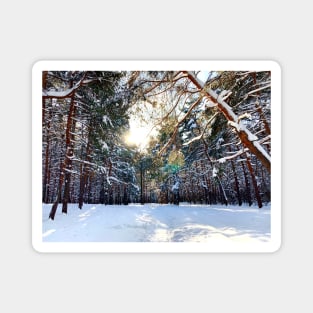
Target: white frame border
<point x="147" y="247"/>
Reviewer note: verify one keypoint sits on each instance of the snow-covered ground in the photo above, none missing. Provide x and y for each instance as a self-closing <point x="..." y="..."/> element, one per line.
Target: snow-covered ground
<point x="157" y="223"/>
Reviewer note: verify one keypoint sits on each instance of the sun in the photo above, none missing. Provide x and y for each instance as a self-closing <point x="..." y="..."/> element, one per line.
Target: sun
<point x="138" y="135"/>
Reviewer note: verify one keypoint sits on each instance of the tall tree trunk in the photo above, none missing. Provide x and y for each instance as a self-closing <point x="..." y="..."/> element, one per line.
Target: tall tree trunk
<point x="65" y="165"/>
<point x="236" y="181"/>
<point x="45" y="190"/>
<point x="223" y="192"/>
<point x="247" y="189"/>
<point x="84" y="170"/>
<point x="59" y="193"/>
<point x="44" y="86"/>
<point x="69" y="153"/>
<point x="142" y="200"/>
<point x="48" y="187"/>
<point x="206" y="178"/>
<point x="259" y="109"/>
<point x="254" y="182"/>
<point x="82" y="185"/>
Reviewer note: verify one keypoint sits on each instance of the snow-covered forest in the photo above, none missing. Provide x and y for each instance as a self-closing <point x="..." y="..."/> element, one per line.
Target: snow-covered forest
<point x="116" y="138"/>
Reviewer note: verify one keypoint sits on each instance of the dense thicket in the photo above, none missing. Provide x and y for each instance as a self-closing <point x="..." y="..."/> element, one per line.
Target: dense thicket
<point x="84" y="159"/>
<point x="212" y="145"/>
<point x="214" y="136"/>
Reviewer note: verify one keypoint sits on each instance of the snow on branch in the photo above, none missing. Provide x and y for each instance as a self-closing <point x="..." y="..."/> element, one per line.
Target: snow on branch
<point x="112" y="178"/>
<point x="223" y="95"/>
<point x="257" y="90"/>
<point x="245" y="115"/>
<point x="193" y="139"/>
<point x="224" y="159"/>
<point x="178" y="123"/>
<point x="58" y="94"/>
<point x="107" y="120"/>
<point x="178" y="76"/>
<point x="244" y="150"/>
<point x="85" y="162"/>
<point x="247" y="138"/>
<point x="62" y="94"/>
<point x="201" y="135"/>
<point x="71" y="171"/>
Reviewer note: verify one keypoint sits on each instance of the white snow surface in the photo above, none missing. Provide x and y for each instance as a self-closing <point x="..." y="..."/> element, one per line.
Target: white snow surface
<point x="157" y="223"/>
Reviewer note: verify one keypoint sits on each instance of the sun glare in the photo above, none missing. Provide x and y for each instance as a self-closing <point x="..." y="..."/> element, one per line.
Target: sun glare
<point x="138" y="135"/>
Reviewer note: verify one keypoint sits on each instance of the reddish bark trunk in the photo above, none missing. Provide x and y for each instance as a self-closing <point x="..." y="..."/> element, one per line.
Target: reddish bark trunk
<point x="83" y="176"/>
<point x="46" y="180"/>
<point x="59" y="193"/>
<point x="44" y="85"/>
<point x="254" y="183"/>
<point x="65" y="165"/>
<point x="236" y="181"/>
<point x="248" y="191"/>
<point x="70" y="126"/>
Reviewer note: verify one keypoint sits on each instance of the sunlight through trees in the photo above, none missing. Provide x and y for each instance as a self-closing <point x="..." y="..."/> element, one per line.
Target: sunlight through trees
<point x="156" y="136"/>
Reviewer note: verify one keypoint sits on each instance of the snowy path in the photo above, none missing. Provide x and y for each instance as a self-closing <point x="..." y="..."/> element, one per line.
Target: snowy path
<point x="157" y="223"/>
